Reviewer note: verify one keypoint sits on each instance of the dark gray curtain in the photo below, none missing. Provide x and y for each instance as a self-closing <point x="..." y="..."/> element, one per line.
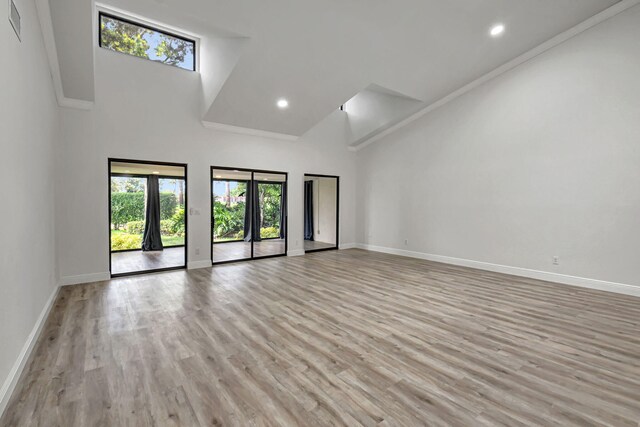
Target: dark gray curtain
<point x="252" y="223"/>
<point x="247" y="212"/>
<point x="308" y="210"/>
<point x="283" y="210"/>
<point x="151" y="239"/>
<point x="257" y="223"/>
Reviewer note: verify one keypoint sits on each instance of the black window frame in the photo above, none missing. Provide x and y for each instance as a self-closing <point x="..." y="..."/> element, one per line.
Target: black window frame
<point x="102" y="14"/>
<point x="185" y="166"/>
<point x="253" y="172"/>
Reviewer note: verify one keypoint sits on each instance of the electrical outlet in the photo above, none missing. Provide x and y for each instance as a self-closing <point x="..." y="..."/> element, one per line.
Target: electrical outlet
<point x="556" y="260"/>
<point x="406" y="242"/>
<point x="197" y="251"/>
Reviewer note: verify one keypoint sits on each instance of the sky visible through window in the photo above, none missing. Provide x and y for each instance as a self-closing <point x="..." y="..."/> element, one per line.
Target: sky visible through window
<point x="219" y="187"/>
<point x="125" y="37"/>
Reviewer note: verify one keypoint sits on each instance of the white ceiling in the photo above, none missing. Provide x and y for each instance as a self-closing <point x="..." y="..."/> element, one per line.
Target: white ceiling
<point x="320" y="54"/>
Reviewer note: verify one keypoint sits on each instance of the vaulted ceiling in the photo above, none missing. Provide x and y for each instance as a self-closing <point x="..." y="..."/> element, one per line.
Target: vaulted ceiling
<point x="390" y="58"/>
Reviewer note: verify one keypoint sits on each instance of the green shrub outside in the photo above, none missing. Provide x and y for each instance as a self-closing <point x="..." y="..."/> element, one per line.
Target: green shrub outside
<point x="269" y="232"/>
<point x="129" y="207"/>
<point x="137" y="227"/>
<point x="178" y="221"/>
<point x="172" y="231"/>
<point x="228" y="220"/>
<point x="134" y="227"/>
<point x="122" y="241"/>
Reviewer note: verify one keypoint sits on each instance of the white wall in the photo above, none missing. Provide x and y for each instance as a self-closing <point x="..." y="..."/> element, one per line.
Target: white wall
<point x="149" y="111"/>
<point x="542" y="161"/>
<point x="28" y="131"/>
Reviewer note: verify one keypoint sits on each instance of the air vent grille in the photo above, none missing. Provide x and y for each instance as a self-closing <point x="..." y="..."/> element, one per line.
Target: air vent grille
<point x="14" y="18"/>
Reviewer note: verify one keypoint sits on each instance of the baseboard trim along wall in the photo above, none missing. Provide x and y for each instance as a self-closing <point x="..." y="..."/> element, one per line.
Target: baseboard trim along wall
<point x="84" y="278"/>
<point x="14" y="375"/>
<point x="195" y="265"/>
<point x="514" y="271"/>
<point x="348" y="245"/>
<point x="295" y="252"/>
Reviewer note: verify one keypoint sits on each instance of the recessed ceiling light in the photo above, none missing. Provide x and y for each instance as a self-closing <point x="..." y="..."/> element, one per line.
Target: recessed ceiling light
<point x="127" y="171"/>
<point x="497" y="30"/>
<point x="156" y="173"/>
<point x="265" y="179"/>
<point x="282" y="103"/>
<point x="218" y="176"/>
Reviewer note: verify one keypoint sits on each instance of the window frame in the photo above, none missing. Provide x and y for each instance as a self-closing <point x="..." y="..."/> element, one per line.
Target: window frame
<point x="149" y="27"/>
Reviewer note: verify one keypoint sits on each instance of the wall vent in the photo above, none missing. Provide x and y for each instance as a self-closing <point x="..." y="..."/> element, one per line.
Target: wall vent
<point x="14" y="18"/>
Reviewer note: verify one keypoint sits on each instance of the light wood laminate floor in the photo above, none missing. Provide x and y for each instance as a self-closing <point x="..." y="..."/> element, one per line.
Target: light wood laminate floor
<point x="333" y="338"/>
<point x="312" y="245"/>
<point x="231" y="251"/>
<point x="134" y="261"/>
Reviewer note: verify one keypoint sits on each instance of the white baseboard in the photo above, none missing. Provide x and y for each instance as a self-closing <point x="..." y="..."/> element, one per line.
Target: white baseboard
<point x="84" y="278"/>
<point x="583" y="282"/>
<point x="295" y="252"/>
<point x="194" y="265"/>
<point x="348" y="245"/>
<point x="14" y="375"/>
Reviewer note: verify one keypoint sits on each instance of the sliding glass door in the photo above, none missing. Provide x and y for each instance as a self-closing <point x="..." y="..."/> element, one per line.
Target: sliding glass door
<point x="231" y="213"/>
<point x="271" y="214"/>
<point x="249" y="214"/>
<point x="148" y="226"/>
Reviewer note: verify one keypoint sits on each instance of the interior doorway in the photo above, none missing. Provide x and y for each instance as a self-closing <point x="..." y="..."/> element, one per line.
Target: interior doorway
<point x="248" y="214"/>
<point x="147" y="220"/>
<point x="321" y="212"/>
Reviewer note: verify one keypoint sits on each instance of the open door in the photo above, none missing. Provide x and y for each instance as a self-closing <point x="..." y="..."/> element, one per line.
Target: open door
<point x="321" y="212"/>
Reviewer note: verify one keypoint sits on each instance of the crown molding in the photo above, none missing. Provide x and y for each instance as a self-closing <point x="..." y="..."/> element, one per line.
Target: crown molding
<point x="548" y="45"/>
<point x="248" y="131"/>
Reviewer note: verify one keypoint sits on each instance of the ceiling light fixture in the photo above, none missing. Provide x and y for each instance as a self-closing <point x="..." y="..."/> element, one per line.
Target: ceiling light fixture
<point x="218" y="176"/>
<point x="497" y="30"/>
<point x="156" y="173"/>
<point x="282" y="103"/>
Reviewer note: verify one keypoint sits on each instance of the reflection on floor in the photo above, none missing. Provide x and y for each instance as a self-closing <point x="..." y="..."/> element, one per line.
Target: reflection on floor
<point x="242" y="250"/>
<point x="129" y="262"/>
<point x="312" y="245"/>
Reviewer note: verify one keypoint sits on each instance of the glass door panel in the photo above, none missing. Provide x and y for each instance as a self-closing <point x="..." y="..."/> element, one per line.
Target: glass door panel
<point x="270" y="214"/>
<point x="172" y="212"/>
<point x="129" y="197"/>
<point x="231" y="225"/>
